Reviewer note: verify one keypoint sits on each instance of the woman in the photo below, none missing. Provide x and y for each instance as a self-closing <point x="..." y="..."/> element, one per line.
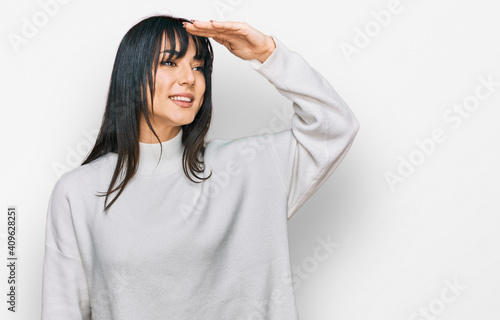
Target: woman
<point x="169" y="246"/>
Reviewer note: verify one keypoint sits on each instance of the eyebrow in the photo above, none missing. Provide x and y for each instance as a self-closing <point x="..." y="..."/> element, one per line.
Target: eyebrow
<point x="171" y="51"/>
<point x="176" y="54"/>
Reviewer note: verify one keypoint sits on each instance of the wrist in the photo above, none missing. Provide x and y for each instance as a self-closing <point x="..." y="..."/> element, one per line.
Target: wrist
<point x="268" y="51"/>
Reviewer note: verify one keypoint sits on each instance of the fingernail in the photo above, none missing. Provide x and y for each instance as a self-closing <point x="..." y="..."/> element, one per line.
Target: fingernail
<point x="192" y="20"/>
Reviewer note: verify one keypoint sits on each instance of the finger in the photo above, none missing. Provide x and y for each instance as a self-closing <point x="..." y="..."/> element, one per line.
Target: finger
<point x="221" y="41"/>
<point x="228" y="25"/>
<point x="199" y="31"/>
<point x="214" y="34"/>
<point x="211" y="33"/>
<point x="207" y="34"/>
<point x="219" y="25"/>
<point x="201" y="24"/>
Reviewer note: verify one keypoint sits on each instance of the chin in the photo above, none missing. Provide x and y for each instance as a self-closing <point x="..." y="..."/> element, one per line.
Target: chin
<point x="184" y="121"/>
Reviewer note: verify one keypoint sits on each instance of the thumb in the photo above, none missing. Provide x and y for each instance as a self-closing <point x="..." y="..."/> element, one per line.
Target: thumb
<point x="223" y="42"/>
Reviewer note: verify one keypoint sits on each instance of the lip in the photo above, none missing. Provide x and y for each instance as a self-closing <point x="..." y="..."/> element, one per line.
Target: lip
<point x="183" y="104"/>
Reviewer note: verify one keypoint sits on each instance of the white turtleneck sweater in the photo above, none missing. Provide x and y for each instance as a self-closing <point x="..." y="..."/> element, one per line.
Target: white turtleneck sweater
<point x="173" y="249"/>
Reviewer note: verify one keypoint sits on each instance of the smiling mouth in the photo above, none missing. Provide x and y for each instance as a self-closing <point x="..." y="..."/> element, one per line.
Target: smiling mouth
<point x="181" y="98"/>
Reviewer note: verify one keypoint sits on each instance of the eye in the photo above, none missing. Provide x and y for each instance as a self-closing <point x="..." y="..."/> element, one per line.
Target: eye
<point x="199" y="68"/>
<point x="168" y="63"/>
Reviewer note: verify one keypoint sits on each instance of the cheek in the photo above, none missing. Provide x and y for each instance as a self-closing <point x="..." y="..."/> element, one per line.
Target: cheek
<point x="163" y="81"/>
<point x="201" y="89"/>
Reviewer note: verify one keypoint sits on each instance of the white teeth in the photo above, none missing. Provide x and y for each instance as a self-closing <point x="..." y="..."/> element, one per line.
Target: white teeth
<point x="180" y="98"/>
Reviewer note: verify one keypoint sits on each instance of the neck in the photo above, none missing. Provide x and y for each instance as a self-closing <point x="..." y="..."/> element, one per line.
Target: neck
<point x="164" y="133"/>
<point x="152" y="164"/>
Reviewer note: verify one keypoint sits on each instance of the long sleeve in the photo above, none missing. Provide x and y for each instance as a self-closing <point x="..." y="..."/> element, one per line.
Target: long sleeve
<point x="64" y="284"/>
<point x="322" y="131"/>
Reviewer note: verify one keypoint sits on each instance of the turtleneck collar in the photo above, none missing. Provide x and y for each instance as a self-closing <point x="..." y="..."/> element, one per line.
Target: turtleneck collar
<point x="150" y="163"/>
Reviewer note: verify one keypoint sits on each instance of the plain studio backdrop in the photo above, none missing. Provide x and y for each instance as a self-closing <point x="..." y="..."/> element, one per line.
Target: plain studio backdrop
<point x="411" y="215"/>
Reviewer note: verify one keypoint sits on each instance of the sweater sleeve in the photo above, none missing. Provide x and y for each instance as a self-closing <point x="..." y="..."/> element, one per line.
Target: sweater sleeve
<point x="64" y="283"/>
<point x="322" y="131"/>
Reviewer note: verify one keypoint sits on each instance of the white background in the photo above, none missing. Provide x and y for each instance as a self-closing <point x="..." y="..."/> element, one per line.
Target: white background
<point x="397" y="248"/>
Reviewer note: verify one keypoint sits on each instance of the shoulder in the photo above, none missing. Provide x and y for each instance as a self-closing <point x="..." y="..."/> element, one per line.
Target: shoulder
<point x="70" y="181"/>
<point x="235" y="147"/>
<point x="246" y="148"/>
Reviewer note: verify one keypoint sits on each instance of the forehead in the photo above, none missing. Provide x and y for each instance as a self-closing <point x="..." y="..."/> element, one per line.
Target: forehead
<point x="183" y="47"/>
<point x="167" y="45"/>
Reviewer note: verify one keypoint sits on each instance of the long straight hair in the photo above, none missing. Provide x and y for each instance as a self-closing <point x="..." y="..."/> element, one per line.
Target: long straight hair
<point x="127" y="98"/>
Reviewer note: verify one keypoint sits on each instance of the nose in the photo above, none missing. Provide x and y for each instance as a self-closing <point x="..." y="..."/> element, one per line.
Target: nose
<point x="186" y="75"/>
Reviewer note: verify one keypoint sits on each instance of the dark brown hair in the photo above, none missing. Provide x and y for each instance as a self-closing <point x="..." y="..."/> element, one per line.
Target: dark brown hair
<point x="127" y="98"/>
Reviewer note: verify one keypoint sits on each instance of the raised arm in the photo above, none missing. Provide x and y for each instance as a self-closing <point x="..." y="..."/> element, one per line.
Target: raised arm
<point x="323" y="127"/>
<point x="322" y="131"/>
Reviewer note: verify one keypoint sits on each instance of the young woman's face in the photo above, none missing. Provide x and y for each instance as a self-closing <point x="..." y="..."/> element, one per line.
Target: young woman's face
<point x="180" y="85"/>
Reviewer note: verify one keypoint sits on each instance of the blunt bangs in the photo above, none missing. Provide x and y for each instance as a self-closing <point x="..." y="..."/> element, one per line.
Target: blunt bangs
<point x="172" y="34"/>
